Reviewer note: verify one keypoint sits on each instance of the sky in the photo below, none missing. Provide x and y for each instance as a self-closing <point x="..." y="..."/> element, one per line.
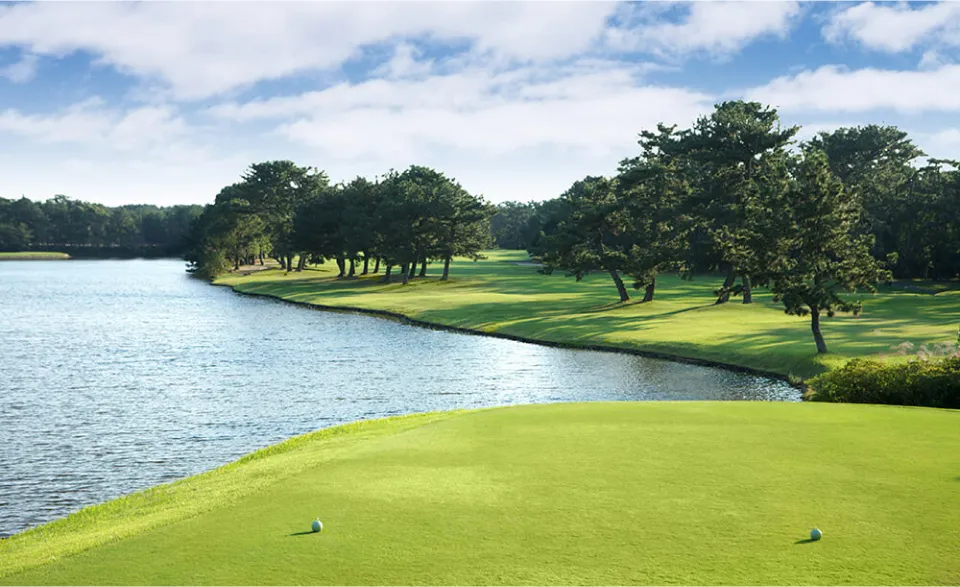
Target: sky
<point x="167" y="102"/>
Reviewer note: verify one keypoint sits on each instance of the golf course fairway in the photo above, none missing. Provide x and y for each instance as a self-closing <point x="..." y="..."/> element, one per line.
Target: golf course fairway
<point x="598" y="493"/>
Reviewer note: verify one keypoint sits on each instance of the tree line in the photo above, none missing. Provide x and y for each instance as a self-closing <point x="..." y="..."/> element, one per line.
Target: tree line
<point x="841" y="212"/>
<point x="401" y="220"/>
<point x="88" y="229"/>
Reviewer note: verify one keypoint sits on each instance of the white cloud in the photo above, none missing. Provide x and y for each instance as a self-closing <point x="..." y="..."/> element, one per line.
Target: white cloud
<point x="896" y="27"/>
<point x="943" y="144"/>
<point x="931" y="60"/>
<point x="809" y="130"/>
<point x="90" y="123"/>
<point x="200" y="49"/>
<point x="832" y="88"/>
<point x="22" y="71"/>
<point x="591" y="107"/>
<point x="524" y="133"/>
<point x="404" y="63"/>
<point x="717" y="28"/>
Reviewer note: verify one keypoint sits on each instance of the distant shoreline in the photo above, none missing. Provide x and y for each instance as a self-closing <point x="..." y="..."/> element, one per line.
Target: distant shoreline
<point x="34" y="256"/>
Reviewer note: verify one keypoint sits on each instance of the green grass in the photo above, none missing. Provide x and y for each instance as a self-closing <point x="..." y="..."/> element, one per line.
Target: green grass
<point x="497" y="295"/>
<point x="32" y="256"/>
<point x="605" y="493"/>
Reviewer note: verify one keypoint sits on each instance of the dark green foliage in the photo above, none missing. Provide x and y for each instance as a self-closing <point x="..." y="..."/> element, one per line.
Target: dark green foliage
<point x="814" y="254"/>
<point x="511" y="225"/>
<point x="653" y="189"/>
<point x="594" y="235"/>
<point x="934" y="383"/>
<point x="911" y="210"/>
<point x="87" y="229"/>
<point x="729" y="166"/>
<point x="285" y="211"/>
<point x="874" y="162"/>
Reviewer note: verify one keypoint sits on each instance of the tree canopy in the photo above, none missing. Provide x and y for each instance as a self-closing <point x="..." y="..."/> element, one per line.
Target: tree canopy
<point x="402" y="219"/>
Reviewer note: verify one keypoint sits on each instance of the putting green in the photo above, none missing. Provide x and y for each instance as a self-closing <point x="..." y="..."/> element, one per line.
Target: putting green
<point x="602" y="493"/>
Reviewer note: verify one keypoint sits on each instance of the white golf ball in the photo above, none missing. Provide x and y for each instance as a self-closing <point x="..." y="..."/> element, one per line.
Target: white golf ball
<point x="316" y="526"/>
<point x="816" y="534"/>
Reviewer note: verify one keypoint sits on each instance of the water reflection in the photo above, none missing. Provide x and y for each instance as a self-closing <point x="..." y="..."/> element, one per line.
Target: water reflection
<point x="119" y="375"/>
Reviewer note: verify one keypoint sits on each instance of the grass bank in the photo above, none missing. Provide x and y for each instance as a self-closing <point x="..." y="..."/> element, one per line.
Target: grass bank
<point x="604" y="493"/>
<point x="498" y="295"/>
<point x="32" y="256"/>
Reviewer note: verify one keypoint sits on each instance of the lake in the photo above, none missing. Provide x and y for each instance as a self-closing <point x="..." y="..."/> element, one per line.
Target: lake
<point x="119" y="375"/>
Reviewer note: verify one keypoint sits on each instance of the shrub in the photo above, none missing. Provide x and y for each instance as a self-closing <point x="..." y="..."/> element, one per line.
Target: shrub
<point x="917" y="383"/>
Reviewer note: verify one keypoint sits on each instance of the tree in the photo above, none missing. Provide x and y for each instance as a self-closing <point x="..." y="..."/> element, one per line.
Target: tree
<point x="509" y="225"/>
<point x="427" y="195"/>
<point x="274" y="190"/>
<point x="360" y="200"/>
<point x="818" y="254"/>
<point x="592" y="237"/>
<point x="727" y="148"/>
<point x="653" y="188"/>
<point x="937" y="225"/>
<point x="462" y="226"/>
<point x="318" y="228"/>
<point x="876" y="162"/>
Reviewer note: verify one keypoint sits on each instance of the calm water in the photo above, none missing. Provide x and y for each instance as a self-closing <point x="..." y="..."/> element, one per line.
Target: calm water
<point x="118" y="375"/>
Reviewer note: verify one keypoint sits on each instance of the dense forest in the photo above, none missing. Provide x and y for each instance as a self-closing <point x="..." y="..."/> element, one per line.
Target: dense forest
<point x="93" y="230"/>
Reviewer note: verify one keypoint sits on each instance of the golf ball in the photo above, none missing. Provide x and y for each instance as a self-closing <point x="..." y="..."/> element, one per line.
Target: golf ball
<point x="316" y="526"/>
<point x="816" y="534"/>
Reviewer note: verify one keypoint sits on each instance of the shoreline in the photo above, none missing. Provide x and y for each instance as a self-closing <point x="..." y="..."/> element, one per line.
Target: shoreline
<point x="35" y="256"/>
<point x="398" y="317"/>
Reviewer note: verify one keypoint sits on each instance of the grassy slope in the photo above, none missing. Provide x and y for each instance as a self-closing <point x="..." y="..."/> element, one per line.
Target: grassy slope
<point x="32" y="256"/>
<point x="606" y="493"/>
<point x="498" y="295"/>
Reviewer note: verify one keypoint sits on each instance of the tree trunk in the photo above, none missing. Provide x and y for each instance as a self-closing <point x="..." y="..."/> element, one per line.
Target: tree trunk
<point x="624" y="296"/>
<point x="815" y="327"/>
<point x="283" y="264"/>
<point x="302" y="263"/>
<point x="747" y="290"/>
<point x="376" y="265"/>
<point x="386" y="274"/>
<point x="727" y="284"/>
<point x="366" y="261"/>
<point x="352" y="270"/>
<point x="342" y="265"/>
<point x="289" y="262"/>
<point x="423" y="267"/>
<point x="648" y="292"/>
<point x="236" y="263"/>
<point x="446" y="269"/>
<point x="413" y="270"/>
<point x="261" y="256"/>
<point x="405" y="273"/>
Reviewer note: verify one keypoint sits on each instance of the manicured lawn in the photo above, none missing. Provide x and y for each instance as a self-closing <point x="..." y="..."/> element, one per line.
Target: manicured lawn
<point x="32" y="256"/>
<point x="498" y="295"/>
<point x="604" y="493"/>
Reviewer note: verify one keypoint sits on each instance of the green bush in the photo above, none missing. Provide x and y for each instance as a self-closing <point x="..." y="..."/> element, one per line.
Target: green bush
<point x="917" y="383"/>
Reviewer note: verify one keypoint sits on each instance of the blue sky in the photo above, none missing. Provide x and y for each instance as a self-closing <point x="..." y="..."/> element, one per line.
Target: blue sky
<point x="156" y="102"/>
